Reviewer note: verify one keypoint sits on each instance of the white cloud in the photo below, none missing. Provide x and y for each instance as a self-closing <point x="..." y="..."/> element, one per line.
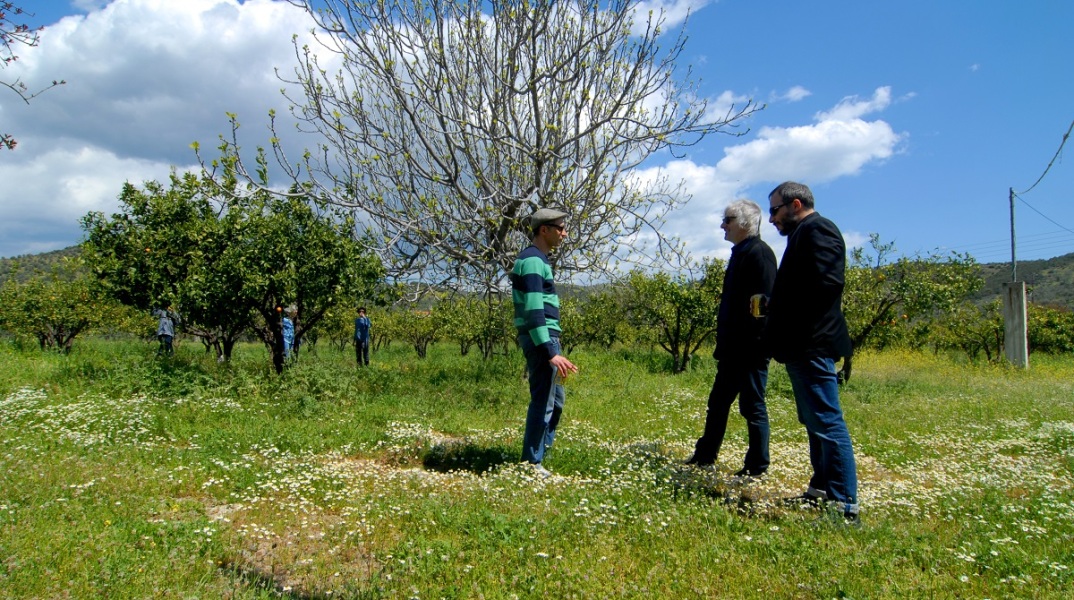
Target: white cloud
<point x="145" y="79"/>
<point x="853" y="107"/>
<point x="56" y="188"/>
<point x="840" y="144"/>
<point x="816" y="153"/>
<point x="795" y="94"/>
<point x="674" y="11"/>
<point x="854" y="239"/>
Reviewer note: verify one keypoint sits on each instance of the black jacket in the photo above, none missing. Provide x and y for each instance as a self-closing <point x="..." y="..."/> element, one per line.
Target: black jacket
<point x="805" y="316"/>
<point x="750" y="270"/>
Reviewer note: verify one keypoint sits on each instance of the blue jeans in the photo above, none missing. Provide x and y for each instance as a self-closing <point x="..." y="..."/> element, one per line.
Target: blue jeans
<point x="546" y="401"/>
<point x="745" y="379"/>
<point x="816" y="395"/>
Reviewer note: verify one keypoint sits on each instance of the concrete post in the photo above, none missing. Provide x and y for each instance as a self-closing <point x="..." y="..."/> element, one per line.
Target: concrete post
<point x="1015" y="338"/>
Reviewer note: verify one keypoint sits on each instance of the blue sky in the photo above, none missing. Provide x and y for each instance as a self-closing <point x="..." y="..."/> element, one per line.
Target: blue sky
<point x="910" y="120"/>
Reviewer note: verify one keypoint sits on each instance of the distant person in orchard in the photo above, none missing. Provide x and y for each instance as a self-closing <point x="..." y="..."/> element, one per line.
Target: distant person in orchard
<point x="806" y="331"/>
<point x="362" y="325"/>
<point x="536" y="305"/>
<point x="168" y="320"/>
<point x="297" y="338"/>
<point x="741" y="364"/>
<point x="288" y="333"/>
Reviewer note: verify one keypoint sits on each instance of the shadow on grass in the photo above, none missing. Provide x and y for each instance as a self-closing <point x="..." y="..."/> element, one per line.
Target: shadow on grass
<point x="690" y="482"/>
<point x="464" y="455"/>
<point x="686" y="481"/>
<point x="273" y="585"/>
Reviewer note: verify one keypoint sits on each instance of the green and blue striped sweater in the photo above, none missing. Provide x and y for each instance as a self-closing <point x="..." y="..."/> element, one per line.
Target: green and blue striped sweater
<point x="534" y="295"/>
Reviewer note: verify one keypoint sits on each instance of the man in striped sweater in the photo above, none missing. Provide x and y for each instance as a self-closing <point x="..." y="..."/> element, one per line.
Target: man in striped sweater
<point x="533" y="293"/>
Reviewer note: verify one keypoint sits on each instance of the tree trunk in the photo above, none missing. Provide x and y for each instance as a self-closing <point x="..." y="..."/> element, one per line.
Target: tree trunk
<point x="228" y="345"/>
<point x="277" y="345"/>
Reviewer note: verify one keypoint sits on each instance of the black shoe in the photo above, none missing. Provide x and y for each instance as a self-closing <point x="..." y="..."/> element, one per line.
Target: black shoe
<point x="700" y="462"/>
<point x="745" y="477"/>
<point x="851" y="519"/>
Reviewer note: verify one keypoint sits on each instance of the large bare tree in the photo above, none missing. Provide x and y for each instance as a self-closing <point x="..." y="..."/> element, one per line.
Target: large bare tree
<point x="444" y="123"/>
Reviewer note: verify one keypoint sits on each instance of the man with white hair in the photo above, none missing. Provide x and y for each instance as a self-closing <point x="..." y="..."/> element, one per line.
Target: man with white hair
<point x="741" y="364"/>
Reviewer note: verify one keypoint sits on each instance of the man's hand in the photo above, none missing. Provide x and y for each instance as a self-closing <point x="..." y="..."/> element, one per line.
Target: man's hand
<point x="563" y="366"/>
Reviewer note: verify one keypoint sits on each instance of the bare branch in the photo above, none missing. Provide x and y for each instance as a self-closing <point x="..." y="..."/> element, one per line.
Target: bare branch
<point x="438" y="118"/>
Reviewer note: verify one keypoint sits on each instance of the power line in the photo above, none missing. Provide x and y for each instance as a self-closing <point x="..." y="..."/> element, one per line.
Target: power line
<point x="1005" y="244"/>
<point x="1057" y="152"/>
<point x="1034" y="209"/>
<point x="1014" y="260"/>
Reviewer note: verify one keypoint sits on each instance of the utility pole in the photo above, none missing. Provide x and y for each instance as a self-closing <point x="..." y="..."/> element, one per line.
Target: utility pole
<point x="1014" y="259"/>
<point x="1015" y="338"/>
<point x="1015" y="326"/>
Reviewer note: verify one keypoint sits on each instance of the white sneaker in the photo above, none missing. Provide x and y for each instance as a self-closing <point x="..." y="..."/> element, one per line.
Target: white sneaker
<point x="539" y="470"/>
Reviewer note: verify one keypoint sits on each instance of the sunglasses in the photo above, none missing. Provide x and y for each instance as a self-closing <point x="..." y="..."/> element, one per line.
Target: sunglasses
<point x="775" y="209"/>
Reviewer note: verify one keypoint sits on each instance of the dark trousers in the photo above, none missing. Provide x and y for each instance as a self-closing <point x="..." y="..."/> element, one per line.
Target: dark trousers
<point x="361" y="352"/>
<point x="745" y="379"/>
<point x="165" y="345"/>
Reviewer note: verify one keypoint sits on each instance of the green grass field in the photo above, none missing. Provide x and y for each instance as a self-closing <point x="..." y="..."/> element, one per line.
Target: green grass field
<point x="126" y="476"/>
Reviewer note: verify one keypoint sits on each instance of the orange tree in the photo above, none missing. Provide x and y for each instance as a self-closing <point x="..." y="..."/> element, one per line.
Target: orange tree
<point x="482" y="320"/>
<point x="678" y="313"/>
<point x="595" y="320"/>
<point x="884" y="298"/>
<point x="228" y="259"/>
<point x="972" y="329"/>
<point x="1050" y="329"/>
<point x="55" y="307"/>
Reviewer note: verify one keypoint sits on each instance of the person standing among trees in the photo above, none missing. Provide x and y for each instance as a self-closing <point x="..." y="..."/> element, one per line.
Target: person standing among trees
<point x="806" y="331"/>
<point x="296" y="339"/>
<point x="533" y="293"/>
<point x="362" y="325"/>
<point x="741" y="364"/>
<point x="288" y="333"/>
<point x="166" y="330"/>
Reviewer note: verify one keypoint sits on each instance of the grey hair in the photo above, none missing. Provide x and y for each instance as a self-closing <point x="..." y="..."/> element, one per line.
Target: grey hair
<point x="748" y="214"/>
<point x="789" y="190"/>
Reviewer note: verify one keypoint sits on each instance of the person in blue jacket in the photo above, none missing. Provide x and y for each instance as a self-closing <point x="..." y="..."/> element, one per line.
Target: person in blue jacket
<point x="362" y="325"/>
<point x="288" y="334"/>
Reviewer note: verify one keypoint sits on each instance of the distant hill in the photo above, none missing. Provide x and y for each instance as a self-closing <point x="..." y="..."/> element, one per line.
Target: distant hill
<point x="1048" y="281"/>
<point x="30" y="263"/>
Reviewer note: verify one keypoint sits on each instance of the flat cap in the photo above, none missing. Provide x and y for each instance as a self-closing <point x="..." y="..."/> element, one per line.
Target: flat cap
<point x="544" y="216"/>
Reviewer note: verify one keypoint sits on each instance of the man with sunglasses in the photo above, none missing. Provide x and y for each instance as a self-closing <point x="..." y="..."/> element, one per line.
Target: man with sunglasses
<point x="533" y="293"/>
<point x="806" y="332"/>
<point x="741" y="365"/>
